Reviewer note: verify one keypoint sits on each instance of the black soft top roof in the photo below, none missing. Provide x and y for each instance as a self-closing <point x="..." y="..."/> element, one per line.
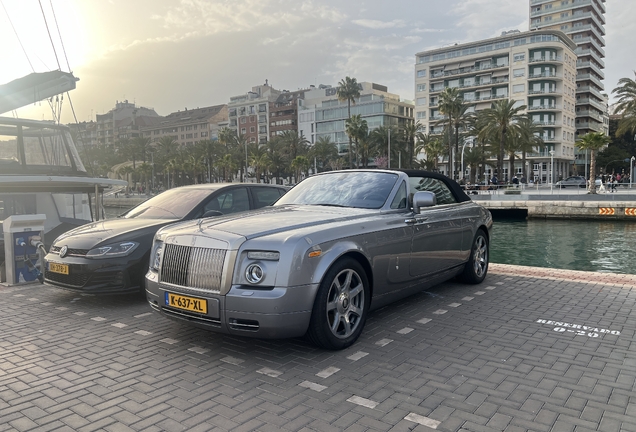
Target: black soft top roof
<point x="455" y="188"/>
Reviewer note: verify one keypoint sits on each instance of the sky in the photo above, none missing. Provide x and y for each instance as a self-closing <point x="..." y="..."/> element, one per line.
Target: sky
<point x="175" y="54"/>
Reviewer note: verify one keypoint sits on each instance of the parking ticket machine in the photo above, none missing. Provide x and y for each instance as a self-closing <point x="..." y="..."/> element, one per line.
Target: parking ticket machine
<point x="23" y="236"/>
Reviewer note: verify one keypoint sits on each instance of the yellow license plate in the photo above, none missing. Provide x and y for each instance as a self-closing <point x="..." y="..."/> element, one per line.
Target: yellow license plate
<point x="191" y="304"/>
<point x="58" y="268"/>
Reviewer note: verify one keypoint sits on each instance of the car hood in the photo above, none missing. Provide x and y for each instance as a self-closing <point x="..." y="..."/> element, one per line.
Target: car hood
<point x="272" y="220"/>
<point x="96" y="233"/>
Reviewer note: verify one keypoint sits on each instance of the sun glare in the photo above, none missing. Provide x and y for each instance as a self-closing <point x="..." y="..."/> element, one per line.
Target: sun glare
<point x="26" y="43"/>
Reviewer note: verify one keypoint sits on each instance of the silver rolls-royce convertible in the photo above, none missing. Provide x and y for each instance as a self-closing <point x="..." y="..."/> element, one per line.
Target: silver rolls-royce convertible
<point x="335" y="247"/>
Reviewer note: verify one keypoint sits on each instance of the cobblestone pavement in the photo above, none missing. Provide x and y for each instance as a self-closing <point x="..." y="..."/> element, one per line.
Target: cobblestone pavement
<point x="529" y="349"/>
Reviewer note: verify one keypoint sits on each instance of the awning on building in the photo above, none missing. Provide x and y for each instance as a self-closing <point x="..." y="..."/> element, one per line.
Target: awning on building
<point x="452" y="66"/>
<point x="500" y="73"/>
<point x="467" y="64"/>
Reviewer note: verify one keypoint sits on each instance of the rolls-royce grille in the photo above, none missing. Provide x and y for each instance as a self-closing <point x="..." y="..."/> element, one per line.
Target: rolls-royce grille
<point x="192" y="267"/>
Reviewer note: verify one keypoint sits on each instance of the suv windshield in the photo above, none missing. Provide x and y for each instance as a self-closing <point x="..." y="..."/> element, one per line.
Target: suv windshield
<point x="171" y="204"/>
<point x="343" y="189"/>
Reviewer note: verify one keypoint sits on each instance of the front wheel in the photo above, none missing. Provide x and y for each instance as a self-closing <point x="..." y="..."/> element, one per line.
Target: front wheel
<point x="341" y="306"/>
<point x="476" y="268"/>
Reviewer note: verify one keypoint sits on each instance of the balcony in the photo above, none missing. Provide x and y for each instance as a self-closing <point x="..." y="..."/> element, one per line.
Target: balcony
<point x="551" y="59"/>
<point x="468" y="70"/>
<point x="595" y="126"/>
<point x="543" y="91"/>
<point x="590" y="41"/>
<point x="591" y="65"/>
<point x="437" y="118"/>
<point x="489" y="83"/>
<point x="547" y="123"/>
<point x="590" y="77"/>
<point x="590" y="52"/>
<point x="589" y="113"/>
<point x="544" y="75"/>
<point x="589" y="101"/>
<point x="544" y="107"/>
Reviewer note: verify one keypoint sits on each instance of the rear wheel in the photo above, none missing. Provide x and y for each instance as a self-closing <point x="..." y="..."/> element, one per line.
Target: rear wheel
<point x="476" y="268"/>
<point x="341" y="306"/>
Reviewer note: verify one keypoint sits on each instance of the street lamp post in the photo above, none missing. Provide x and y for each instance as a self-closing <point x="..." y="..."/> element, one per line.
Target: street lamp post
<point x="631" y="171"/>
<point x="245" y="175"/>
<point x="551" y="169"/>
<point x="463" y="147"/>
<point x="389" y="158"/>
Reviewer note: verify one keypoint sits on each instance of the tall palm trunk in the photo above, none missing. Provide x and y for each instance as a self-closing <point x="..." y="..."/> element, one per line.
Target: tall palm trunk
<point x="592" y="189"/>
<point x="349" y="150"/>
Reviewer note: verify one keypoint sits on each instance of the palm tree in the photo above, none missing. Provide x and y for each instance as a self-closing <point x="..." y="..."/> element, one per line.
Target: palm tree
<point x="293" y="144"/>
<point x="472" y="158"/>
<point x="357" y="129"/>
<point x="380" y="140"/>
<point x="529" y="136"/>
<point x="502" y="120"/>
<point x="626" y="105"/>
<point x="410" y="133"/>
<point x="259" y="159"/>
<point x="348" y="90"/>
<point x="432" y="146"/>
<point x="125" y="172"/>
<point x="300" y="164"/>
<point x="324" y="150"/>
<point x="593" y="141"/>
<point x="452" y="105"/>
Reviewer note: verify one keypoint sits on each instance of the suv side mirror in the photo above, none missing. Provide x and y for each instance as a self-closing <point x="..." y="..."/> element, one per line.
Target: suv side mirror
<point x="423" y="199"/>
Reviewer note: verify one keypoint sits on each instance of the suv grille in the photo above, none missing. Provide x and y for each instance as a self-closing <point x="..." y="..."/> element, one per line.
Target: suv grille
<point x="71" y="252"/>
<point x="192" y="267"/>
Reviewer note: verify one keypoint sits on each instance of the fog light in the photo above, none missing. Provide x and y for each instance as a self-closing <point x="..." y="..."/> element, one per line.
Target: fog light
<point x="254" y="273"/>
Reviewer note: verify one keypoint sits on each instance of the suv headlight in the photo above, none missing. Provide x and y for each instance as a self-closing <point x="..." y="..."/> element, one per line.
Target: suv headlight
<point x="155" y="255"/>
<point x="112" y="250"/>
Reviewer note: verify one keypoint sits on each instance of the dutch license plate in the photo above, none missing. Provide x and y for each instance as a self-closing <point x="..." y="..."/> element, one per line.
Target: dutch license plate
<point x="191" y="304"/>
<point x="58" y="268"/>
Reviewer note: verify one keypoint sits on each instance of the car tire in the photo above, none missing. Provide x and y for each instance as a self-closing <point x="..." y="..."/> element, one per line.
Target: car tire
<point x="341" y="306"/>
<point x="476" y="268"/>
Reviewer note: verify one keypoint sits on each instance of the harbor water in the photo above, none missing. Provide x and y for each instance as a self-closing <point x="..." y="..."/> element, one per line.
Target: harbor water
<point x="590" y="245"/>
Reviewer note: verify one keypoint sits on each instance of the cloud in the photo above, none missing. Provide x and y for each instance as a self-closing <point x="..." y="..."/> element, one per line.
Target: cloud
<point x="376" y="25"/>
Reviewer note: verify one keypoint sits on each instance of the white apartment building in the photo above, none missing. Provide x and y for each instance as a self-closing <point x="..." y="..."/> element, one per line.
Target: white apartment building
<point x="535" y="68"/>
<point x="584" y="22"/>
<point x="321" y="114"/>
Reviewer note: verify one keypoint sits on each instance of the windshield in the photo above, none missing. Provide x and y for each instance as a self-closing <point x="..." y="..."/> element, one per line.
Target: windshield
<point x="343" y="189"/>
<point x="171" y="204"/>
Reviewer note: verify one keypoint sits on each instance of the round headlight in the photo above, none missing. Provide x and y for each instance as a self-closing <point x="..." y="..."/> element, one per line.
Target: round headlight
<point x="254" y="273"/>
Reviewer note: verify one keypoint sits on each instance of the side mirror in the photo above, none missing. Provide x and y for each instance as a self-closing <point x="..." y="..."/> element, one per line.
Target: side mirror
<point x="211" y="213"/>
<point x="423" y="199"/>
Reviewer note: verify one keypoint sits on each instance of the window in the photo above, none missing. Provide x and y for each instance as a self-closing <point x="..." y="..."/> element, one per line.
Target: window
<point x="243" y="131"/>
<point x="421" y="87"/>
<point x="399" y="202"/>
<point x="264" y="196"/>
<point x="519" y="57"/>
<point x="421" y="101"/>
<point x="252" y="129"/>
<point x="232" y="201"/>
<point x="421" y="73"/>
<point x="421" y="114"/>
<point x="441" y="191"/>
<point x="518" y="88"/>
<point x="518" y="72"/>
<point x="243" y="120"/>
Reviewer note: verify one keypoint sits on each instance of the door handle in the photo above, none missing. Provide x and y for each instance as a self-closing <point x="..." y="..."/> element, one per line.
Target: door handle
<point x="415" y="220"/>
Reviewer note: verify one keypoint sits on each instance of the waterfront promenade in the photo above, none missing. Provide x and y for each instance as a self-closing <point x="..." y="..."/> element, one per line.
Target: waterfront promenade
<point x="530" y="349"/>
